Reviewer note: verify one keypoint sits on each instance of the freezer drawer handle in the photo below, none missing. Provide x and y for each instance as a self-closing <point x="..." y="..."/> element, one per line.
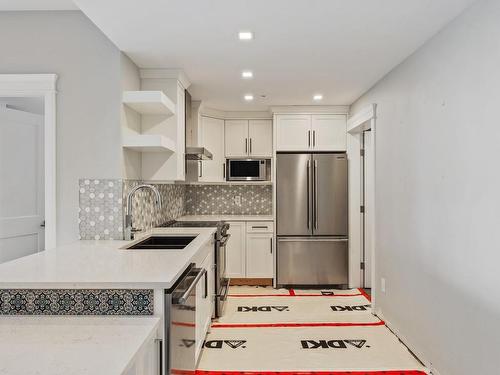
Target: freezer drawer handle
<point x="182" y="299"/>
<point x="312" y="239"/>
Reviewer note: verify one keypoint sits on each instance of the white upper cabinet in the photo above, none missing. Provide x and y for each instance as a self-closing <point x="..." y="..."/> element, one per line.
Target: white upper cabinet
<point x="260" y="134"/>
<point x="236" y="138"/>
<point x="212" y="138"/>
<point x="311" y="132"/>
<point x="293" y="133"/>
<point x="329" y="132"/>
<point x="249" y="138"/>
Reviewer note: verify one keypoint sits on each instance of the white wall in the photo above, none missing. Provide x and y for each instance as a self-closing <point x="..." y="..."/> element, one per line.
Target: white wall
<point x="88" y="100"/>
<point x="438" y="194"/>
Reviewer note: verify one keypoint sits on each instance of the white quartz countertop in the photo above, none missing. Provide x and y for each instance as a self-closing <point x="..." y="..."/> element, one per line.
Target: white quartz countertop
<point x="226" y="217"/>
<point x="72" y="345"/>
<point x="104" y="264"/>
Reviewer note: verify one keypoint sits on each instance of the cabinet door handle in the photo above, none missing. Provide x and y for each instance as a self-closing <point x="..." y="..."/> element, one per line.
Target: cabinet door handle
<point x="246" y="145"/>
<point x="200" y="171"/>
<point x="224" y="171"/>
<point x="309" y="138"/>
<point x="271" y="245"/>
<point x="314" y="138"/>
<point x="250" y="145"/>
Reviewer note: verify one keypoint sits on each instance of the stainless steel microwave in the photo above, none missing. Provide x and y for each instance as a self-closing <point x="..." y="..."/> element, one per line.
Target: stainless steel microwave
<point x="248" y="169"/>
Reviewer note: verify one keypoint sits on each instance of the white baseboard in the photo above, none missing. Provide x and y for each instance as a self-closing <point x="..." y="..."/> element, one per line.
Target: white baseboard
<point x="408" y="343"/>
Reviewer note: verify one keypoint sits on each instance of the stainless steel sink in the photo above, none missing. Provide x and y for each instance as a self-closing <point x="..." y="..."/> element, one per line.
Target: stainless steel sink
<point x="163" y="243"/>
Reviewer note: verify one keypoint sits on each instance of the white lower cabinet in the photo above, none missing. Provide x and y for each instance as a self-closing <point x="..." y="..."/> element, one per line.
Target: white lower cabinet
<point x="259" y="255"/>
<point x="235" y="250"/>
<point x="250" y="250"/>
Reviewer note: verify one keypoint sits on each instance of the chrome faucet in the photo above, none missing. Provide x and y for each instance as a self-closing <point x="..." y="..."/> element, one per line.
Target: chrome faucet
<point x="129" y="229"/>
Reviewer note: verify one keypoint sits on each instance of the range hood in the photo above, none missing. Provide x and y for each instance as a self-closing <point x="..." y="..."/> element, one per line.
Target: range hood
<point x="198" y="153"/>
<point x="193" y="152"/>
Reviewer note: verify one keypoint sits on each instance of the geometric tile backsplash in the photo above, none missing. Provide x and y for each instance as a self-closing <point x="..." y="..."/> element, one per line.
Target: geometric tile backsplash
<point x="220" y="200"/>
<point x="101" y="211"/>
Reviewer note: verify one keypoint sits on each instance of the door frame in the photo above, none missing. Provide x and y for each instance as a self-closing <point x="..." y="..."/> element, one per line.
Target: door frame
<point x="40" y="85"/>
<point x="356" y="125"/>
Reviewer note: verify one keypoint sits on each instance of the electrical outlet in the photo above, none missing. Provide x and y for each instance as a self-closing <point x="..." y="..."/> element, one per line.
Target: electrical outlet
<point x="382" y="284"/>
<point x="237" y="200"/>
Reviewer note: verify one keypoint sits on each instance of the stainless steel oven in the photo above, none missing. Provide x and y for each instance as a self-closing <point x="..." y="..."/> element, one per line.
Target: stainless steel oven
<point x="248" y="169"/>
<point x="221" y="237"/>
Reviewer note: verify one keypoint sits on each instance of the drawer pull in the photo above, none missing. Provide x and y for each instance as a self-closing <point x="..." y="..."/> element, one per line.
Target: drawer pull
<point x="260" y="227"/>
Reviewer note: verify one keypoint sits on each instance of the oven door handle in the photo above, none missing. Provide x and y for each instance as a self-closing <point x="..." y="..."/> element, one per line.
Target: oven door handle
<point x="224" y="240"/>
<point x="182" y="299"/>
<point x="223" y="295"/>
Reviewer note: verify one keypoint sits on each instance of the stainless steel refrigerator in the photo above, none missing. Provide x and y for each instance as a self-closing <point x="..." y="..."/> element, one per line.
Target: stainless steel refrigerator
<point x="311" y="204"/>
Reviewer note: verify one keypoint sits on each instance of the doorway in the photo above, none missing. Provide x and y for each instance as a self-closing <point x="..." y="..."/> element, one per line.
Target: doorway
<point x="22" y="191"/>
<point x="27" y="164"/>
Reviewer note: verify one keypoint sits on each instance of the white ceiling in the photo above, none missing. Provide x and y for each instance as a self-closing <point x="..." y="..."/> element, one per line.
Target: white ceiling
<point x="11" y="5"/>
<point x="339" y="48"/>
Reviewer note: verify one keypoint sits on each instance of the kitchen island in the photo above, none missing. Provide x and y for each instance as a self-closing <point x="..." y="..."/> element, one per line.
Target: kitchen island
<point x="115" y="298"/>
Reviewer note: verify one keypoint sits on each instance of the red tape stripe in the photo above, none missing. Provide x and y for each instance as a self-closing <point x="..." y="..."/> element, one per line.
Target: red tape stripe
<point x="292" y="292"/>
<point x="366" y="295"/>
<point x="296" y="295"/>
<point x="295" y="325"/>
<point x="399" y="372"/>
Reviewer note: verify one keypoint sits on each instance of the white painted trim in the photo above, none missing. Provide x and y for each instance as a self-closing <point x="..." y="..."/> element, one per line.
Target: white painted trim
<point x="177" y="74"/>
<point x="44" y="85"/>
<point x="310" y="109"/>
<point x="408" y="343"/>
<point x="234" y="115"/>
<point x="358" y="122"/>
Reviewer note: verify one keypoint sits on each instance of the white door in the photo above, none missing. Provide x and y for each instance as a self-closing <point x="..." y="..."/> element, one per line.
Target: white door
<point x="260" y="133"/>
<point x="212" y="137"/>
<point x="236" y="138"/>
<point x="368" y="217"/>
<point x="259" y="255"/>
<point x="22" y="184"/>
<point x="329" y="132"/>
<point x="293" y="132"/>
<point x="235" y="250"/>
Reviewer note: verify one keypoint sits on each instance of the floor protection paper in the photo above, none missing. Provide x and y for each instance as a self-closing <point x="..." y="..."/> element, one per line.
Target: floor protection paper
<point x="258" y="291"/>
<point x="267" y="310"/>
<point x="367" y="349"/>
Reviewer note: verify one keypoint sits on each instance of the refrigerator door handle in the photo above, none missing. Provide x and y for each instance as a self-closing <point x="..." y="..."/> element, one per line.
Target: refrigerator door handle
<point x="315" y="194"/>
<point x="308" y="193"/>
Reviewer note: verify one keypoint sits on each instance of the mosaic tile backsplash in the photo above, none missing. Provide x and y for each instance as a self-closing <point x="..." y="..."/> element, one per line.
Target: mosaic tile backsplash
<point x="76" y="302"/>
<point x="102" y="204"/>
<point x="220" y="200"/>
<point x="102" y="207"/>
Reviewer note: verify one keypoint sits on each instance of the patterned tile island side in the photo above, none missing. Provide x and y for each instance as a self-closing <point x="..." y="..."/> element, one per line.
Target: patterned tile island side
<point x="76" y="302"/>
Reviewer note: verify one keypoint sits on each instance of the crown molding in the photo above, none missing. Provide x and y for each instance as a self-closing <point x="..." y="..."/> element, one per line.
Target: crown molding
<point x="177" y="74"/>
<point x="311" y="109"/>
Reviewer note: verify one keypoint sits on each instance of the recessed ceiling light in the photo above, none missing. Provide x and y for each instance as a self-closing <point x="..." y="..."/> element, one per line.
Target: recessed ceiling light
<point x="318" y="97"/>
<point x="246" y="74"/>
<point x="245" y="35"/>
<point x="248" y="97"/>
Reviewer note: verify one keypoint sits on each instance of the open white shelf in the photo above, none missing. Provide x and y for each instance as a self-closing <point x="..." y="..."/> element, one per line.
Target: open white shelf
<point x="149" y="102"/>
<point x="149" y="143"/>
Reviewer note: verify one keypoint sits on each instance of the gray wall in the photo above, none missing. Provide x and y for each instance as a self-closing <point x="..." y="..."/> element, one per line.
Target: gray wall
<point x="88" y="100"/>
<point x="437" y="194"/>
